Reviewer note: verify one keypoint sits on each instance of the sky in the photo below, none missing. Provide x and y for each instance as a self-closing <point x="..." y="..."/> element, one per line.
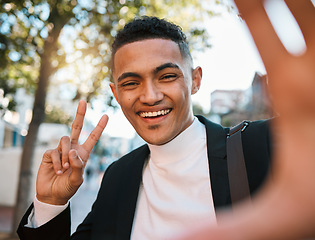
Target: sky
<point x="232" y="60"/>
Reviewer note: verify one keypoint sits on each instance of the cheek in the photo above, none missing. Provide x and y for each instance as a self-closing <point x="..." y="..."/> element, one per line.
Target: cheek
<point x="123" y="97"/>
<point x="126" y="101"/>
<point x="180" y="94"/>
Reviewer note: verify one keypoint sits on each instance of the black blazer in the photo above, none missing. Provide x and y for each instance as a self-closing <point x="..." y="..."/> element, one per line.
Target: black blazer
<point x="113" y="211"/>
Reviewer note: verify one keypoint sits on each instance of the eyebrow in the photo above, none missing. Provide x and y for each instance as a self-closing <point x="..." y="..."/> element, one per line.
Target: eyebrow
<point x="126" y="75"/>
<point x="165" y="65"/>
<point x="156" y="70"/>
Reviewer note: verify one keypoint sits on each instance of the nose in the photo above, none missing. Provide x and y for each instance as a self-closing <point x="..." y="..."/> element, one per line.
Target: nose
<point x="150" y="94"/>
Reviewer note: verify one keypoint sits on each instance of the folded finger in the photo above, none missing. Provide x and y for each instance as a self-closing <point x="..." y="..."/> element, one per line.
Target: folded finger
<point x="47" y="156"/>
<point x="64" y="148"/>
<point x="95" y="134"/>
<point x="78" y="122"/>
<point x="56" y="160"/>
<point x="304" y="13"/>
<point x="266" y="39"/>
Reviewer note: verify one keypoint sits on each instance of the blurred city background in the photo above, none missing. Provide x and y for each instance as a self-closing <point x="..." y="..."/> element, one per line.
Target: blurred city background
<point x="54" y="53"/>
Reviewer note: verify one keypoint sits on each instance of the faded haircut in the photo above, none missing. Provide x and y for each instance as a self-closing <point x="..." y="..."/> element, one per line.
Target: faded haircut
<point x="150" y="28"/>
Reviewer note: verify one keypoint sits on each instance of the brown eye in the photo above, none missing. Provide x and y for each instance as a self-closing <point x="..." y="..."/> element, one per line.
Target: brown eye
<point x="129" y="84"/>
<point x="169" y="76"/>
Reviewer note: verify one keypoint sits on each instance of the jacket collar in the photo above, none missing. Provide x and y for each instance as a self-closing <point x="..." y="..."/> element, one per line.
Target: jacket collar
<point x="132" y="177"/>
<point x="216" y="147"/>
<point x="128" y="194"/>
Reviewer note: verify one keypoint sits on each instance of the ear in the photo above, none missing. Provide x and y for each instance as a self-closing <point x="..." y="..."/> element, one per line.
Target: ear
<point x="113" y="88"/>
<point x="196" y="79"/>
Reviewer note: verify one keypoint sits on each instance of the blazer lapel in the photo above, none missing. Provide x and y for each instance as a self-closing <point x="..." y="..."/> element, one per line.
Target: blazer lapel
<point x="216" y="147"/>
<point x="131" y="177"/>
<point x="128" y="193"/>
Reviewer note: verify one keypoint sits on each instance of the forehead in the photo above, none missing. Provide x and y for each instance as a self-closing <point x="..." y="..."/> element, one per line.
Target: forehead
<point x="145" y="53"/>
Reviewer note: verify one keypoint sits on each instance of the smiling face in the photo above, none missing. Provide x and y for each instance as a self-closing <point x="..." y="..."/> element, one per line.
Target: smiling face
<point x="153" y="85"/>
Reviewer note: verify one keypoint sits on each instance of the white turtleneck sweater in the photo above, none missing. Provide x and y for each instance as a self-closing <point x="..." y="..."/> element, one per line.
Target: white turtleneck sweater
<point x="175" y="190"/>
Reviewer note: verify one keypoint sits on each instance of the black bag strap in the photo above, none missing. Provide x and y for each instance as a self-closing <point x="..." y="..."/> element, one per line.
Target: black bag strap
<point x="238" y="180"/>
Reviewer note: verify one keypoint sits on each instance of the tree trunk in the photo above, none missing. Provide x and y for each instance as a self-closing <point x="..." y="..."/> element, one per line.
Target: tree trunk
<point x="25" y="181"/>
<point x="46" y="71"/>
<point x="24" y="199"/>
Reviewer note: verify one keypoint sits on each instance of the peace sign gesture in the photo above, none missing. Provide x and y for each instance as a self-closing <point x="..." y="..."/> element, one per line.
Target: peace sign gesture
<point x="61" y="170"/>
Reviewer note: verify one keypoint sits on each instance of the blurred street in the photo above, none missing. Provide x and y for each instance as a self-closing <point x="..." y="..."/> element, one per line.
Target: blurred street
<point x="82" y="201"/>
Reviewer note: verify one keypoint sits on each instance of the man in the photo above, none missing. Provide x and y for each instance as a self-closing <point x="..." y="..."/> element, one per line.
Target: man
<point x="178" y="178"/>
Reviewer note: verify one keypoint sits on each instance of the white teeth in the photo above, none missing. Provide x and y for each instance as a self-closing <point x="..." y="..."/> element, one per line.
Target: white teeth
<point x="154" y="114"/>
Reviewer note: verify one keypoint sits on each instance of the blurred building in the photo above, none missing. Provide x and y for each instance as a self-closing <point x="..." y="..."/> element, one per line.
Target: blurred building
<point x="259" y="106"/>
<point x="223" y="101"/>
<point x="230" y="107"/>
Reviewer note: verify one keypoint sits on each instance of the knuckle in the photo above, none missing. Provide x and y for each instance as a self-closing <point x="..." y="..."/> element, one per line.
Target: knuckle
<point x="77" y="164"/>
<point x="94" y="136"/>
<point x="48" y="153"/>
<point x="65" y="139"/>
<point x="76" y="126"/>
<point x="55" y="153"/>
<point x="77" y="182"/>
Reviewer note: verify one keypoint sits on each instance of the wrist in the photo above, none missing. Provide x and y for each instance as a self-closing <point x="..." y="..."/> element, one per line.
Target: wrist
<point x="51" y="200"/>
<point x="44" y="212"/>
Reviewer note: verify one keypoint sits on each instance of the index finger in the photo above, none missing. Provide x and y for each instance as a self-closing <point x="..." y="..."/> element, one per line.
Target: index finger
<point x="95" y="134"/>
<point x="78" y="122"/>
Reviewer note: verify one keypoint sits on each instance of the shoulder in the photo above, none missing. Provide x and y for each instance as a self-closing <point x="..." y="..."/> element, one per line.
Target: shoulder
<point x="256" y="150"/>
<point x="259" y="125"/>
<point x="211" y="127"/>
<point x="134" y="155"/>
<point x="132" y="159"/>
<point x="256" y="141"/>
<point x="117" y="172"/>
<point x="257" y="131"/>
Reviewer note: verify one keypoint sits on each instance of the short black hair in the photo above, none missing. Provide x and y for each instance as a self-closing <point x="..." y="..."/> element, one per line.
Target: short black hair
<point x="147" y="27"/>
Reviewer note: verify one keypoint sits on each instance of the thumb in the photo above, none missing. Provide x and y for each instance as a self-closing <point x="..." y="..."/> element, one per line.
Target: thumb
<point x="77" y="166"/>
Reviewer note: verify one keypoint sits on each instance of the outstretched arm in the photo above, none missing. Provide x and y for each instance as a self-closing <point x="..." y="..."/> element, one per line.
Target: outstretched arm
<point x="284" y="209"/>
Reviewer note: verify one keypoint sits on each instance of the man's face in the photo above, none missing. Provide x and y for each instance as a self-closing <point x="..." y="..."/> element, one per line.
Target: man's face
<point x="153" y="85"/>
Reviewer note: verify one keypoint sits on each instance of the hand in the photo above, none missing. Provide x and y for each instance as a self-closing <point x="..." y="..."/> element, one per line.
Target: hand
<point x="284" y="208"/>
<point x="61" y="170"/>
<point x="291" y="78"/>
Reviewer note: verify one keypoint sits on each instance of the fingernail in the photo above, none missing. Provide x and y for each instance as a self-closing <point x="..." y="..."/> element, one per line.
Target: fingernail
<point x="66" y="165"/>
<point x="59" y="172"/>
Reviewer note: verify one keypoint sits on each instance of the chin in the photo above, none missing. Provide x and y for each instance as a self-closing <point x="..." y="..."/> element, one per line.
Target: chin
<point x="157" y="141"/>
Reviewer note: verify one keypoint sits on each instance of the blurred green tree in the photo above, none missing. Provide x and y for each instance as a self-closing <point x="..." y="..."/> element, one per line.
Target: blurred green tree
<point x="41" y="39"/>
<point x="55" y="114"/>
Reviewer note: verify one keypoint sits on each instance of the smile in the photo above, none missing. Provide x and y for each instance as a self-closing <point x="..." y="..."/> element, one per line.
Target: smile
<point x="154" y="114"/>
